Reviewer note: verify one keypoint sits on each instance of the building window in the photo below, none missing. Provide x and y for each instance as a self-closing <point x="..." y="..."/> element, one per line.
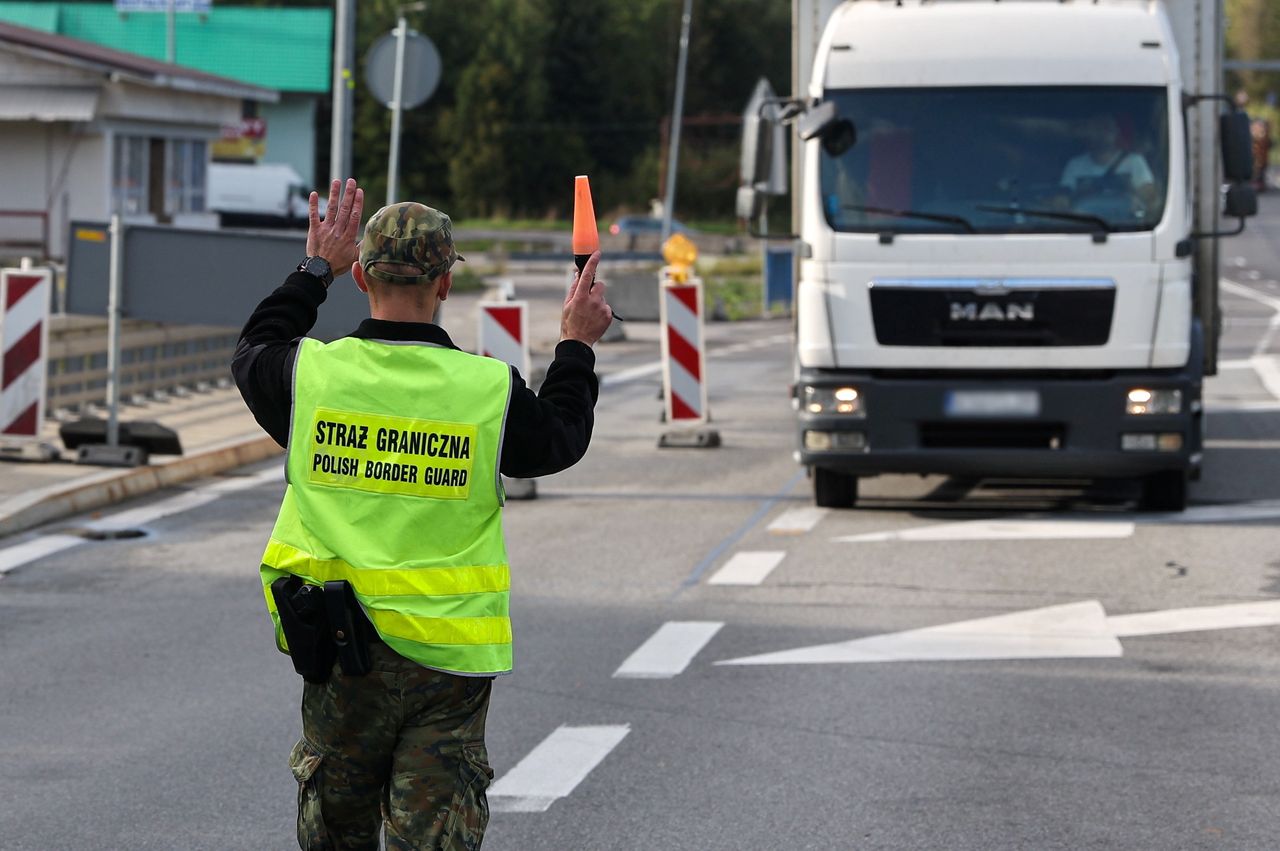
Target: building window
<point x="129" y="175"/>
<point x="185" y="187"/>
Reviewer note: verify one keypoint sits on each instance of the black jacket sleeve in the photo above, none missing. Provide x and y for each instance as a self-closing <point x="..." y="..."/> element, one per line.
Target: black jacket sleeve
<point x="263" y="361"/>
<point x="549" y="431"/>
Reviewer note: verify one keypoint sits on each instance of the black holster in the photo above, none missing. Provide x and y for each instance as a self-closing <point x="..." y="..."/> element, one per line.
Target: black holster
<point x="349" y="628"/>
<point x="321" y="625"/>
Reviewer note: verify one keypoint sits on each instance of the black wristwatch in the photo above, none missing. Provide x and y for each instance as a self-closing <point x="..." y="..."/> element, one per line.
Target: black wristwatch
<point x="319" y="267"/>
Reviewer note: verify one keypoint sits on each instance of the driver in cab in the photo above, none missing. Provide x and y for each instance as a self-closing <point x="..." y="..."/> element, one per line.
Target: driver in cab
<point x="1106" y="168"/>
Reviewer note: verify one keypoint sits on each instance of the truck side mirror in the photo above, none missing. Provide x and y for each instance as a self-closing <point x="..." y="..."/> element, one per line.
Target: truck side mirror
<point x="823" y="121"/>
<point x="1237" y="147"/>
<point x="757" y="133"/>
<point x="1242" y="201"/>
<point x="749" y="203"/>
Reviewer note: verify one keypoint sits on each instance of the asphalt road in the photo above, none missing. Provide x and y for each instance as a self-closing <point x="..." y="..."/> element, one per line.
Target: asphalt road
<point x="143" y="705"/>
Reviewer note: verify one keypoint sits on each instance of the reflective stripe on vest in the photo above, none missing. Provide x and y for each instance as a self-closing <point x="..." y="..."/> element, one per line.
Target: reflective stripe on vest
<point x="393" y="487"/>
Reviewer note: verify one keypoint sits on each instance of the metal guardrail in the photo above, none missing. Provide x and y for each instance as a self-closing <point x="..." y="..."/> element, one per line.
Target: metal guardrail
<point x="156" y="359"/>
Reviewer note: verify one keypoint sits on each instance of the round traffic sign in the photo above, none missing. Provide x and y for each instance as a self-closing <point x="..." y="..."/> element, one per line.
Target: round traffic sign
<point x="421" y="69"/>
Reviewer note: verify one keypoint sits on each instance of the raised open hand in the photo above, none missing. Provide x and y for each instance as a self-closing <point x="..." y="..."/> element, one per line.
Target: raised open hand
<point x="334" y="238"/>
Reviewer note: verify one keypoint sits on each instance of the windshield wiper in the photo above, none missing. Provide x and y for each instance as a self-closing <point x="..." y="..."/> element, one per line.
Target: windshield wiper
<point x="958" y="221"/>
<point x="1087" y="218"/>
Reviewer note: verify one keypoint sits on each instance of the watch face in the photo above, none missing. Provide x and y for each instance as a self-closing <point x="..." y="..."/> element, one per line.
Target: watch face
<point x="319" y="267"/>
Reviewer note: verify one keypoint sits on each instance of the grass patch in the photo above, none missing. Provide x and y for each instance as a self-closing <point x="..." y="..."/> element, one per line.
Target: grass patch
<point x="736" y="265"/>
<point x="515" y="224"/>
<point x="733" y="297"/>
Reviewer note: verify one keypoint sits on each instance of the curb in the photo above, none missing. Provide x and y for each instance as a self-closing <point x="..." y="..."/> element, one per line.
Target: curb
<point x="110" y="487"/>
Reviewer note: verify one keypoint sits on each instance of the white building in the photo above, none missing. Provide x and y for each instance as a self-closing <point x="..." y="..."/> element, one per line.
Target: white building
<point x="84" y="129"/>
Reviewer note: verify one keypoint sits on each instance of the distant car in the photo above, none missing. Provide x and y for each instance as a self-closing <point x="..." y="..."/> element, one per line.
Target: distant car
<point x="635" y="226"/>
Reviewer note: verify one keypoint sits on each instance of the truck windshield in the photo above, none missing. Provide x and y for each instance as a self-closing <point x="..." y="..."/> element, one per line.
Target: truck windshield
<point x="1097" y="155"/>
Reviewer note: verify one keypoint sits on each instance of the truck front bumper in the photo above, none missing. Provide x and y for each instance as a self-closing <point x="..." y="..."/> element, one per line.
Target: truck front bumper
<point x="1077" y="428"/>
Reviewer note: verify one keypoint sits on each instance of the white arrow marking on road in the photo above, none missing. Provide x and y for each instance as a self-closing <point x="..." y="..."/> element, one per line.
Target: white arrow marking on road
<point x="1001" y="530"/>
<point x="1231" y="616"/>
<point x="1073" y="630"/>
<point x="554" y="768"/>
<point x="1070" y="631"/>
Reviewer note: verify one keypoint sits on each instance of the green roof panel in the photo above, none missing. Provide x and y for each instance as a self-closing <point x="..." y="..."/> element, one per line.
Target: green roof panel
<point x="286" y="49"/>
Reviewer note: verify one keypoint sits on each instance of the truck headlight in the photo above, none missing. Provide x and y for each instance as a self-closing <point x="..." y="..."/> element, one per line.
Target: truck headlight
<point x="846" y="401"/>
<point x="1143" y="401"/>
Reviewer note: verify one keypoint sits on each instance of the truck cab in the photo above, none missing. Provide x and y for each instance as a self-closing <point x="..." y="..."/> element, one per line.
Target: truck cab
<point x="1000" y="245"/>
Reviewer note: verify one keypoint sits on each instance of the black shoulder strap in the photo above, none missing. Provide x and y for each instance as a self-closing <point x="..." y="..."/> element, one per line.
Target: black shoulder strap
<point x="1115" y="163"/>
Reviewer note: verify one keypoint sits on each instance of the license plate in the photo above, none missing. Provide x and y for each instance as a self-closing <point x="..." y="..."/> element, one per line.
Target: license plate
<point x="993" y="403"/>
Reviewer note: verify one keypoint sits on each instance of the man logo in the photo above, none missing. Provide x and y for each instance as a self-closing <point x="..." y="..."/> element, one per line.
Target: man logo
<point x="992" y="311"/>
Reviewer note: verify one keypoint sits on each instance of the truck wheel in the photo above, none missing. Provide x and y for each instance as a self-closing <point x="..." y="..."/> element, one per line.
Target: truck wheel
<point x="834" y="490"/>
<point x="1165" y="491"/>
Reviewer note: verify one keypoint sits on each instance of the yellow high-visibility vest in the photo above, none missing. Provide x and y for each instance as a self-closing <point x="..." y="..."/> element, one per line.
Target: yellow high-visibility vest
<point x="393" y="485"/>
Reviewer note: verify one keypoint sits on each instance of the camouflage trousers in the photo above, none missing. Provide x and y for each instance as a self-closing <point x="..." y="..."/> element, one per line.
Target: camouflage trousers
<point x="402" y="746"/>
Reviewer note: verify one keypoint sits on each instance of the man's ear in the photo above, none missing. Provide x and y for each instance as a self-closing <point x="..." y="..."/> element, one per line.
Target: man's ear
<point x="446" y="281"/>
<point x="358" y="274"/>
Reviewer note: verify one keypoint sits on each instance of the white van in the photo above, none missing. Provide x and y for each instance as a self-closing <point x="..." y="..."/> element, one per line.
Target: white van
<point x="263" y="195"/>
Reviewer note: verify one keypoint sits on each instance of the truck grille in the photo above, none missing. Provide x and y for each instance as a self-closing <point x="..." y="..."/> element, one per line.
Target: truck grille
<point x="968" y="312"/>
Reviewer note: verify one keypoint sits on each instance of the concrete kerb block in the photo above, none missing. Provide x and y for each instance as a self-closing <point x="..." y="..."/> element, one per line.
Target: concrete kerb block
<point x="702" y="438"/>
<point x="29" y="450"/>
<point x="109" y="487"/>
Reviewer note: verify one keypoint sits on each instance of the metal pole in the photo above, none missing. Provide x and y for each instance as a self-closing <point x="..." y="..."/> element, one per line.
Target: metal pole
<point x="170" y="51"/>
<point x="677" y="118"/>
<point x="115" y="274"/>
<point x="397" y="96"/>
<point x="343" y="60"/>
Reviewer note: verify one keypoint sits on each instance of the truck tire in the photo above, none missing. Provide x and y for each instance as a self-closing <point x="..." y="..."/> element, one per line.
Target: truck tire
<point x="832" y="489"/>
<point x="1165" y="491"/>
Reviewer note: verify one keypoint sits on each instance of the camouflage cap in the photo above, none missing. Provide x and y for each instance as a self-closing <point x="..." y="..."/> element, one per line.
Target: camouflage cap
<point x="408" y="234"/>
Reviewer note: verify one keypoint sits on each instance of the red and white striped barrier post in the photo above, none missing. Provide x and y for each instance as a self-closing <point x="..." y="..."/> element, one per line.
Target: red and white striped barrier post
<point x="24" y="341"/>
<point x="684" y="365"/>
<point x="504" y="333"/>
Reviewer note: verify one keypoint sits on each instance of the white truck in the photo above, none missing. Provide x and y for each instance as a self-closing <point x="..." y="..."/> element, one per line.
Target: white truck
<point x="258" y="195"/>
<point x="1008" y="216"/>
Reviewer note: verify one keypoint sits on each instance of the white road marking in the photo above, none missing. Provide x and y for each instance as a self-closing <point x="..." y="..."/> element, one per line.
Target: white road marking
<point x="1273" y="326"/>
<point x="1266" y="509"/>
<point x="747" y="568"/>
<point x="36" y="548"/>
<point x="623" y="376"/>
<point x="554" y="768"/>
<point x="1231" y="616"/>
<point x="797" y="521"/>
<point x="1268" y="372"/>
<point x="1069" y="631"/>
<point x="132" y="518"/>
<point x="1224" y="443"/>
<point x="1001" y="530"/>
<point x="668" y="651"/>
<point x="1242" y="407"/>
<point x="1073" y="630"/>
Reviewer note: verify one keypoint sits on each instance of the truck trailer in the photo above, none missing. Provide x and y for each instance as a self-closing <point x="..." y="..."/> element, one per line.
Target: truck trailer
<point x="1008" y="224"/>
